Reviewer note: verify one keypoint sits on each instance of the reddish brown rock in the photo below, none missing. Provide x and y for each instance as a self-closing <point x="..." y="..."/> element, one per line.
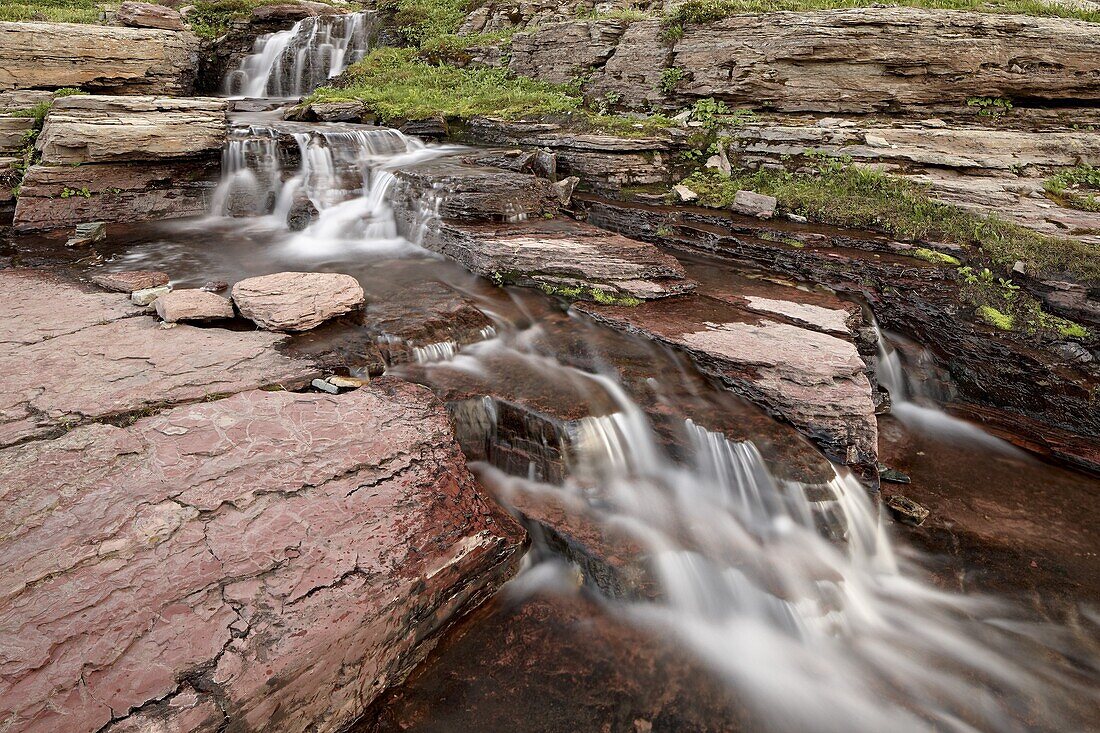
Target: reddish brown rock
<point x="813" y="380"/>
<point x="131" y="280"/>
<point x="192" y="305"/>
<point x="296" y="301"/>
<point x="149" y="15"/>
<point x="74" y="356"/>
<point x="271" y="561"/>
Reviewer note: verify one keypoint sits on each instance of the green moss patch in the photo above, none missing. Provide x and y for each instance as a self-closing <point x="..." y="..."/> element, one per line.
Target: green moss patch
<point x="1078" y="188"/>
<point x="590" y="293"/>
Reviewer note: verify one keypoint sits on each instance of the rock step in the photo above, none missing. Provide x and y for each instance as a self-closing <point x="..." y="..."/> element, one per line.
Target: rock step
<point x="98" y="58"/>
<point x="444" y="206"/>
<point x="289" y="555"/>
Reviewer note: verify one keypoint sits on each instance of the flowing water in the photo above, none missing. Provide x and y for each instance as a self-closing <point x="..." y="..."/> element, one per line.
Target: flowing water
<point x="294" y="62"/>
<point x="769" y="567"/>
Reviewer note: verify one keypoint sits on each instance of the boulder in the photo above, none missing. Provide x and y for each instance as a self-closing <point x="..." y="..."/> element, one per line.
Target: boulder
<point x="130" y="280"/>
<point x="147" y="296"/>
<point x="98" y="129"/>
<point x="272" y="556"/>
<point x="192" y="305"/>
<point x="98" y="58"/>
<point x="94" y="360"/>
<point x="149" y="15"/>
<point x="755" y="204"/>
<point x="296" y="301"/>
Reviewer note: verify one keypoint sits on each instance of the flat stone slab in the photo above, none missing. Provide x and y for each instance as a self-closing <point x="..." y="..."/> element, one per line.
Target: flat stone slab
<point x="297" y="301"/>
<point x="130" y="280"/>
<point x="815" y="381"/>
<point x="267" y="561"/>
<point x="192" y="305"/>
<point x="101" y="129"/>
<point x="72" y="356"/>
<point x="561" y="256"/>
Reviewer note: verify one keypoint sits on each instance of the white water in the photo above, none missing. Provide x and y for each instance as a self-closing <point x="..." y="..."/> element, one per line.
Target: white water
<point x="792" y="592"/>
<point x="294" y="62"/>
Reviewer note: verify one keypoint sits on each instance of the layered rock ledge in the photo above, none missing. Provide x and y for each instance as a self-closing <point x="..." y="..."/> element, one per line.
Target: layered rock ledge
<point x="123" y="159"/>
<point x="848" y="60"/>
<point x="97" y="58"/>
<point x="271" y="559"/>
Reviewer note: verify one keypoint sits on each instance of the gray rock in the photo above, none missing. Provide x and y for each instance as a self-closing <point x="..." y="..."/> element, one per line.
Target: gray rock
<point x="565" y="188"/>
<point x="88" y="233"/>
<point x="755" y="204"/>
<point x="1074" y="352"/>
<point x="323" y="386"/>
<point x="148" y="295"/>
<point x="906" y="511"/>
<point x="685" y="193"/>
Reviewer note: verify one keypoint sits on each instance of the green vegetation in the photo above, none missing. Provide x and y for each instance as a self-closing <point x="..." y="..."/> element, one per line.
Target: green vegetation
<point x="936" y="258"/>
<point x="847" y="195"/>
<point x="1078" y="187"/>
<point x="704" y="11"/>
<point x="1002" y="304"/>
<point x="582" y="292"/>
<point x="628" y="14"/>
<point x="68" y="193"/>
<point x="57" y="11"/>
<point x="396" y="84"/>
<point x="211" y="18"/>
<point x="421" y="20"/>
<point x="990" y="106"/>
<point x="670" y="78"/>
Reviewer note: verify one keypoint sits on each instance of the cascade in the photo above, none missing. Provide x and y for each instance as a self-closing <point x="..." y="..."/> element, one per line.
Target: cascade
<point x="294" y="62"/>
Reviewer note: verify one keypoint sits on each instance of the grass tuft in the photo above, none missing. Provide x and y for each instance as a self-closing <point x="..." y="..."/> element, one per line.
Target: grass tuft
<point x="1078" y="188"/>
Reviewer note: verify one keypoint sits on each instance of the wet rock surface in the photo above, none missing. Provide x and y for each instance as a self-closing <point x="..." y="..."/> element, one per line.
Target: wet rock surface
<point x="468" y="193"/>
<point x="97" y="58"/>
<point x="271" y="558"/>
<point x="94" y="359"/>
<point x="296" y="301"/>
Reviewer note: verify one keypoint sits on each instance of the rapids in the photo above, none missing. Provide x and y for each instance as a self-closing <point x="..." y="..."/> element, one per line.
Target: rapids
<point x="786" y="584"/>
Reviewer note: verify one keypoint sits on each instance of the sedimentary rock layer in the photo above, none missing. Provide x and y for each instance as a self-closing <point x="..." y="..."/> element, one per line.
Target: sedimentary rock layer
<point x="99" y="129"/>
<point x="268" y="561"/>
<point x="97" y="58"/>
<point x="847" y="60"/>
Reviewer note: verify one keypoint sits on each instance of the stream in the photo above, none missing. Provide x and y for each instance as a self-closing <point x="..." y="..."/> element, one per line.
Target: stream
<point x="695" y="564"/>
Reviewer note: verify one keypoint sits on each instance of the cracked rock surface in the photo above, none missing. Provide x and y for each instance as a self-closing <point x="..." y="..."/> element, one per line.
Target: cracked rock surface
<point x="71" y="356"/>
<point x="270" y="561"/>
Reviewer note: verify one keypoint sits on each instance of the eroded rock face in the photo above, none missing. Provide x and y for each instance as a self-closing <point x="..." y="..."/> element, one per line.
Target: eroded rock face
<point x="473" y="193"/>
<point x="71" y="356"/>
<point x="97" y="58"/>
<point x="847" y="60"/>
<point x="296" y="301"/>
<point x="98" y="129"/>
<point x="268" y="560"/>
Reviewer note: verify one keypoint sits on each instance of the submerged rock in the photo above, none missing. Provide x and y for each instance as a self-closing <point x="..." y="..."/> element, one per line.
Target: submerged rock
<point x="192" y="305"/>
<point x="268" y="557"/>
<point x="296" y="301"/>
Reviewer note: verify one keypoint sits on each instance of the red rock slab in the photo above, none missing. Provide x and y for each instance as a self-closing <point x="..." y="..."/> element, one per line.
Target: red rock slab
<point x="38" y="306"/>
<point x="74" y="356"/>
<point x="130" y="280"/>
<point x="297" y="301"/>
<point x="270" y="561"/>
<point x="192" y="304"/>
<point x="814" y="381"/>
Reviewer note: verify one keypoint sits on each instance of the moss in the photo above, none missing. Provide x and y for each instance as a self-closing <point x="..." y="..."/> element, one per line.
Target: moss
<point x="1078" y="188"/>
<point x="847" y="195"/>
<point x="995" y="318"/>
<point x="581" y="292"/>
<point x="937" y="258"/>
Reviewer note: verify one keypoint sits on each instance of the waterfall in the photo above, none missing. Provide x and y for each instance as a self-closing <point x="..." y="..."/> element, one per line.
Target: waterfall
<point x="294" y="62"/>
